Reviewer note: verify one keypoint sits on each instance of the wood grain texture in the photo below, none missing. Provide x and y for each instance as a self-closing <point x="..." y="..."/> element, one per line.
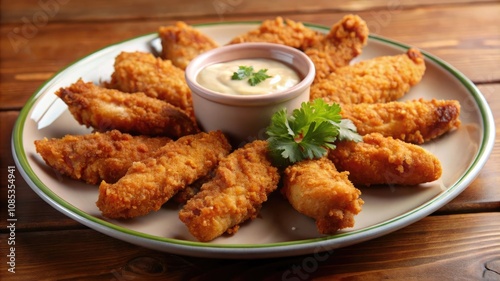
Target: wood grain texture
<point x="464" y="247"/>
<point x="95" y="10"/>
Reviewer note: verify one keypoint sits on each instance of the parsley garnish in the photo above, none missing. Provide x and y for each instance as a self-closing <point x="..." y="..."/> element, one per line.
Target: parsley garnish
<point x="254" y="78"/>
<point x="308" y="133"/>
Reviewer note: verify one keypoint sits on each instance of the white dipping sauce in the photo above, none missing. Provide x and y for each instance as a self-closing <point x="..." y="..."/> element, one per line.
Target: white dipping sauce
<point x="217" y="77"/>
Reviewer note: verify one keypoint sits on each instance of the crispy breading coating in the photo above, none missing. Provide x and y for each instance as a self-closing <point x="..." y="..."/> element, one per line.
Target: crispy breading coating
<point x="137" y="114"/>
<point x="415" y="121"/>
<point x="149" y="183"/>
<point x="95" y="157"/>
<point x="281" y="31"/>
<point x="242" y="182"/>
<point x="344" y="42"/>
<point x="316" y="189"/>
<point x="155" y="77"/>
<point x="181" y="43"/>
<point x="384" y="160"/>
<point x="380" y="79"/>
<point x="190" y="191"/>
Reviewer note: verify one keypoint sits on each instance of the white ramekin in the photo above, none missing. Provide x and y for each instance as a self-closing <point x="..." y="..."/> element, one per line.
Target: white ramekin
<point x="244" y="118"/>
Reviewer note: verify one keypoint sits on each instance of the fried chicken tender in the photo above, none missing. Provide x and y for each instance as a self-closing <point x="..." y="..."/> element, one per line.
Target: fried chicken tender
<point x="415" y="121"/>
<point x="316" y="189"/>
<point x="149" y="183"/>
<point x="241" y="184"/>
<point x="95" y="157"/>
<point x="344" y="42"/>
<point x="384" y="160"/>
<point x="136" y="114"/>
<point x="181" y="43"/>
<point x="281" y="31"/>
<point x="377" y="80"/>
<point x="155" y="77"/>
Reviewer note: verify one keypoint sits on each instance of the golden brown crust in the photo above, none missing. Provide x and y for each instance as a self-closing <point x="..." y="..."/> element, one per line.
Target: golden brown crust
<point x="181" y="43"/>
<point x="149" y="183"/>
<point x="98" y="156"/>
<point x="316" y="189"/>
<point x="157" y="78"/>
<point x="344" y="42"/>
<point x="191" y="190"/>
<point x="384" y="160"/>
<point x="242" y="182"/>
<point x="377" y="80"/>
<point x="137" y="114"/>
<point x="281" y="31"/>
<point x="415" y="121"/>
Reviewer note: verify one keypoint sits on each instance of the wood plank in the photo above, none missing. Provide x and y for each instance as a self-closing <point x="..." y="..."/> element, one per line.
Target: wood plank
<point x="23" y="11"/>
<point x="454" y="247"/>
<point x="442" y="248"/>
<point x="454" y="36"/>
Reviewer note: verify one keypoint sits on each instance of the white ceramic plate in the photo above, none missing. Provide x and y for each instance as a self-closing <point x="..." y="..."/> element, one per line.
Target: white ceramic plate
<point x="280" y="230"/>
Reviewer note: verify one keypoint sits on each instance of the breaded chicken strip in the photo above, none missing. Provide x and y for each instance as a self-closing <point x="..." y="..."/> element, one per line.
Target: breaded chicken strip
<point x="149" y="183"/>
<point x="181" y="43"/>
<point x="384" y="160"/>
<point x="137" y="114"/>
<point x="157" y="78"/>
<point x="242" y="182"/>
<point x="281" y="31"/>
<point x="344" y="42"/>
<point x="316" y="189"/>
<point x="95" y="157"/>
<point x="414" y="121"/>
<point x="381" y="79"/>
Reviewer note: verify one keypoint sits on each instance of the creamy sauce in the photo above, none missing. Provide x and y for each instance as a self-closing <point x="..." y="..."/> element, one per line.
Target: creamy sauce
<point x="217" y="77"/>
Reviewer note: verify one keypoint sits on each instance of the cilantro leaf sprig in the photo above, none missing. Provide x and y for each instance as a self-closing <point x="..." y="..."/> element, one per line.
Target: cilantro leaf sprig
<point x="308" y="133"/>
<point x="242" y="72"/>
<point x="254" y="78"/>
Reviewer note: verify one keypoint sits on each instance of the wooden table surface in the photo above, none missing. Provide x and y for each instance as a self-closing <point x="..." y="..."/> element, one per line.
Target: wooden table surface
<point x="461" y="241"/>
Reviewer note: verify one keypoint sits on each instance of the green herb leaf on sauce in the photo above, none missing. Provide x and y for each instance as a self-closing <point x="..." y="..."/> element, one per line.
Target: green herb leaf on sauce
<point x="242" y="72"/>
<point x="254" y="78"/>
<point x="258" y="77"/>
<point x="308" y="133"/>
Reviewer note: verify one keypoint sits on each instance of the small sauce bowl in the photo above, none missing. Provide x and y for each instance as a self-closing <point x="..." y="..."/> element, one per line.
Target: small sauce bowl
<point x="244" y="118"/>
